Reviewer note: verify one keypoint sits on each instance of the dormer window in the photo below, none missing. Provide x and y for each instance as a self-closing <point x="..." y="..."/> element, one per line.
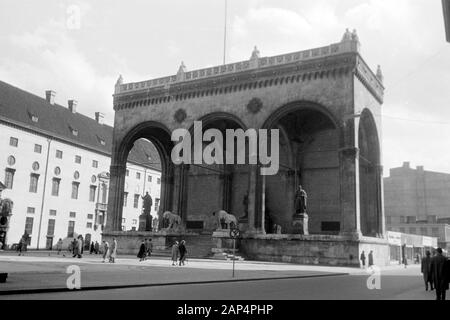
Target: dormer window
<point x="33" y="117"/>
<point x="74" y="131"/>
<point x="101" y="141"/>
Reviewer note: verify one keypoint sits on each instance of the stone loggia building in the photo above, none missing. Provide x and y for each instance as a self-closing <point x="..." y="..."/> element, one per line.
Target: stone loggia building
<point x="326" y="102"/>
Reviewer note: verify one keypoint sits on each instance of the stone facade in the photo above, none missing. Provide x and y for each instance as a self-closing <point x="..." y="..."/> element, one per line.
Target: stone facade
<point x="326" y="104"/>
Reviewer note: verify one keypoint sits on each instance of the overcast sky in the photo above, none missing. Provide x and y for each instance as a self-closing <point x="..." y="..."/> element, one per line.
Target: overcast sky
<point x="42" y="48"/>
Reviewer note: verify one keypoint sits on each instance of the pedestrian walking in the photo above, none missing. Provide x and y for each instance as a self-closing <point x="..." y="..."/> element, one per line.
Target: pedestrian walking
<point x="439" y="274"/>
<point x="141" y="253"/>
<point x="370" y="258"/>
<point x="175" y="253"/>
<point x="78" y="248"/>
<point x="426" y="270"/>
<point x="59" y="246"/>
<point x="92" y="249"/>
<point x="105" y="250"/>
<point x="183" y="251"/>
<point x="96" y="247"/>
<point x="363" y="259"/>
<point x="20" y="246"/>
<point x="149" y="248"/>
<point x="113" y="253"/>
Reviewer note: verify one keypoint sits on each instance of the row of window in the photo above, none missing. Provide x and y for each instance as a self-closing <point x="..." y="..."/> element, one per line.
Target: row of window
<point x="14" y="142"/>
<point x="422" y="231"/>
<point x="136" y="201"/>
<point x="52" y="212"/>
<point x="138" y="177"/>
<point x="51" y="227"/>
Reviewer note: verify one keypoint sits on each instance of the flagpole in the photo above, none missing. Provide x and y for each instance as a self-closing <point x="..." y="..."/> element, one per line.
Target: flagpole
<point x="225" y="33"/>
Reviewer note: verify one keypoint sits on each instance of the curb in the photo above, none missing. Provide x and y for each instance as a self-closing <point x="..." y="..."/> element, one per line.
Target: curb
<point x="97" y="288"/>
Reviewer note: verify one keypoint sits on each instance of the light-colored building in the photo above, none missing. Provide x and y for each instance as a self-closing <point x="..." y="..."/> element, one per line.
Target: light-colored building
<point x="55" y="164"/>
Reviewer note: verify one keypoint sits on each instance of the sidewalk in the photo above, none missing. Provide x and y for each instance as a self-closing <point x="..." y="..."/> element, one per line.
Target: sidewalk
<point x="32" y="274"/>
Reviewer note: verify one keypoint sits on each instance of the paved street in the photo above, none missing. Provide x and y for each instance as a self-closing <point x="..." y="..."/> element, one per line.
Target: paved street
<point x="201" y="279"/>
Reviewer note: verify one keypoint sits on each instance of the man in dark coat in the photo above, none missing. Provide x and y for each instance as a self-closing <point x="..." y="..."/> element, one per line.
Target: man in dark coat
<point x="370" y="258"/>
<point x="426" y="270"/>
<point x="141" y="254"/>
<point x="363" y="259"/>
<point x="439" y="274"/>
<point x="182" y="249"/>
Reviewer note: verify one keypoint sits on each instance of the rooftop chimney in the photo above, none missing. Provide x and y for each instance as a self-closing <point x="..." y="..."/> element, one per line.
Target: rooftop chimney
<point x="99" y="117"/>
<point x="50" y="96"/>
<point x="73" y="105"/>
<point x="406" y="165"/>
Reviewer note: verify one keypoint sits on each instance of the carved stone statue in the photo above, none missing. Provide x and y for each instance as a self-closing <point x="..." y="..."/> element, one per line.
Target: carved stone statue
<point x="300" y="200"/>
<point x="226" y="218"/>
<point x="146" y="217"/>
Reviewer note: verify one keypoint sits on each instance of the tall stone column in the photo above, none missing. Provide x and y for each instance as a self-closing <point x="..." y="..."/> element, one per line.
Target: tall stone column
<point x="260" y="203"/>
<point x="380" y="200"/>
<point x="349" y="191"/>
<point x="115" y="199"/>
<point x="180" y="191"/>
<point x="252" y="194"/>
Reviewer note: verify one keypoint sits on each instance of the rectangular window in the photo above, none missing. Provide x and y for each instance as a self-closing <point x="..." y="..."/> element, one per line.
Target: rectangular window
<point x="71" y="229"/>
<point x="402" y="219"/>
<point x="138" y="175"/>
<point x="92" y="190"/>
<point x="13" y="142"/>
<point x="52" y="212"/>
<point x="123" y="220"/>
<point x="136" y="201"/>
<point x="59" y="154"/>
<point x="72" y="214"/>
<point x="134" y="221"/>
<point x="127" y="172"/>
<point x="9" y="178"/>
<point x="34" y="178"/>
<point x="125" y="198"/>
<point x="29" y="225"/>
<point x="89" y="225"/>
<point x="423" y="231"/>
<point x="158" y="181"/>
<point x="37" y="148"/>
<point x="55" y="186"/>
<point x="75" y="186"/>
<point x="77" y="159"/>
<point x="94" y="164"/>
<point x="51" y="227"/>
<point x="149" y="178"/>
<point x="31" y="210"/>
<point x="90" y="216"/>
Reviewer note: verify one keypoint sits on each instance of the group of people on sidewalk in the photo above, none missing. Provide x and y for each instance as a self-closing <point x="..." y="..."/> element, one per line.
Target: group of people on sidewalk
<point x="363" y="259"/>
<point x="109" y="252"/>
<point x="145" y="250"/>
<point x="436" y="273"/>
<point x="179" y="253"/>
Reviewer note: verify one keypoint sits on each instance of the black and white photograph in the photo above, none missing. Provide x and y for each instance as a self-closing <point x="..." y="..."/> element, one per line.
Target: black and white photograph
<point x="223" y="155"/>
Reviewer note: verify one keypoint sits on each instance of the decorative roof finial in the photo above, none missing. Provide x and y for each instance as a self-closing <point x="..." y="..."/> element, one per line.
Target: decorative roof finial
<point x="380" y="74"/>
<point x="182" y="68"/>
<point x="119" y="81"/>
<point x="255" y="54"/>
<point x="355" y="36"/>
<point x="347" y="36"/>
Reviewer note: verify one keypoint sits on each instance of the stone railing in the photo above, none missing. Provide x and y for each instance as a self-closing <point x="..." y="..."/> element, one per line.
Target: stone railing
<point x="265" y="62"/>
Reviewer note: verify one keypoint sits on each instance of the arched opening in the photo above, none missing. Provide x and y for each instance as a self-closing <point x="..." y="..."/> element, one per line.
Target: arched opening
<point x="212" y="187"/>
<point x="369" y="176"/>
<point x="309" y="143"/>
<point x="146" y="149"/>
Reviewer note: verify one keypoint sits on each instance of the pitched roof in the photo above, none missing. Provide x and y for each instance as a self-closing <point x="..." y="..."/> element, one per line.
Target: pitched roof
<point x="20" y="107"/>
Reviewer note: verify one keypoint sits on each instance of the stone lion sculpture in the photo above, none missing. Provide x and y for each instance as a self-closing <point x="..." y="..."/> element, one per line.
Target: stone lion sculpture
<point x="224" y="217"/>
<point x="174" y="220"/>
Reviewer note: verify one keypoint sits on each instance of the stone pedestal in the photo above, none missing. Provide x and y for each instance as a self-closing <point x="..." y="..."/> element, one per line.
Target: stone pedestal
<point x="300" y="224"/>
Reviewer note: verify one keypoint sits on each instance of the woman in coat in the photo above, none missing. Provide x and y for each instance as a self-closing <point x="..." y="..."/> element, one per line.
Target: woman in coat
<point x="141" y="254"/>
<point x="175" y="253"/>
<point x="59" y="245"/>
<point x="112" y="256"/>
<point x="182" y="249"/>
<point x="105" y="250"/>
